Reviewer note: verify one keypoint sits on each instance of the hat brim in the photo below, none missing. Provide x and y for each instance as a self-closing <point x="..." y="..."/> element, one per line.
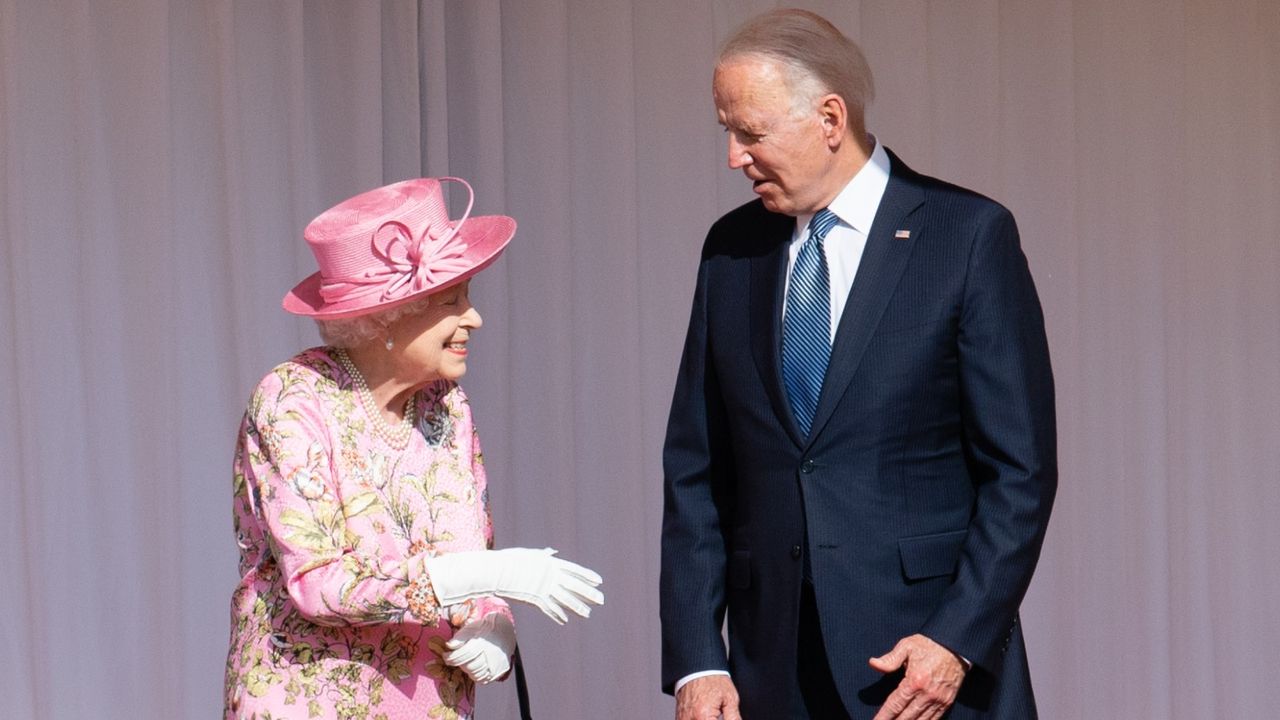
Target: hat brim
<point x="486" y="237"/>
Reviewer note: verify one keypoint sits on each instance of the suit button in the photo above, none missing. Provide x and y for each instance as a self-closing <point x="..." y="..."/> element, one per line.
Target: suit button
<point x="795" y="551"/>
<point x="806" y="467"/>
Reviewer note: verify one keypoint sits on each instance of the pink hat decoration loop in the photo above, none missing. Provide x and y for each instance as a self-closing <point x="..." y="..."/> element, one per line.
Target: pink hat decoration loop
<point x="437" y="249"/>
<point x="393" y="244"/>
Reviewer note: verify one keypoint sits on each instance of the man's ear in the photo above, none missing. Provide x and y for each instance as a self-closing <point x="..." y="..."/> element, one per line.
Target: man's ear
<point x="835" y="119"/>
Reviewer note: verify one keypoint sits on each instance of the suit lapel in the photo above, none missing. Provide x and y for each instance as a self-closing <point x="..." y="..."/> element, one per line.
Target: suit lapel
<point x="767" y="271"/>
<point x="882" y="263"/>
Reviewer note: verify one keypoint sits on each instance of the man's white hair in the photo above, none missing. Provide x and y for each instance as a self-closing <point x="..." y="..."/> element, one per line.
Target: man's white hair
<point x="816" y="59"/>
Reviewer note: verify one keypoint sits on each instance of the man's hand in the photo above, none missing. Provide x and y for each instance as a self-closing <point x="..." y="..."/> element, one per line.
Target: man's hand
<point x="708" y="698"/>
<point x="930" y="685"/>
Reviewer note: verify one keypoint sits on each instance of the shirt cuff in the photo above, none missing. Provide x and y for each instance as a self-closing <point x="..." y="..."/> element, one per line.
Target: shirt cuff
<point x="694" y="676"/>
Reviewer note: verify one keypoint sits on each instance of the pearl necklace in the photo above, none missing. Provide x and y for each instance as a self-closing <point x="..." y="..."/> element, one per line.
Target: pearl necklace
<point x="397" y="437"/>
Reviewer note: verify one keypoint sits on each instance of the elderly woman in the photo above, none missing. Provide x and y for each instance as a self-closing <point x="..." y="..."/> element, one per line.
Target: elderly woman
<point x="369" y="587"/>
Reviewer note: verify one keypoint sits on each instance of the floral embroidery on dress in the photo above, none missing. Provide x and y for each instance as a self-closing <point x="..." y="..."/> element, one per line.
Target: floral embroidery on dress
<point x="334" y="616"/>
<point x="422" y="600"/>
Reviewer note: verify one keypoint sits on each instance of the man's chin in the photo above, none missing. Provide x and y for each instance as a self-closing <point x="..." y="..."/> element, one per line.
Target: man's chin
<point x="774" y="201"/>
<point x="775" y="205"/>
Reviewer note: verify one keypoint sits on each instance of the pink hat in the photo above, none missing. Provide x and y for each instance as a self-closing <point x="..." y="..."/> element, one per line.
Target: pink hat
<point x="393" y="244"/>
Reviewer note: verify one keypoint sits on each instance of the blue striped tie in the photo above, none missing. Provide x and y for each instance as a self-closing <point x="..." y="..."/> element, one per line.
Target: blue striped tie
<point x="806" y="324"/>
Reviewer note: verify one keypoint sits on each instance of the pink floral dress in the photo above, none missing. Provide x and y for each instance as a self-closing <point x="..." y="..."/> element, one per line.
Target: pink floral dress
<point x="334" y="616"/>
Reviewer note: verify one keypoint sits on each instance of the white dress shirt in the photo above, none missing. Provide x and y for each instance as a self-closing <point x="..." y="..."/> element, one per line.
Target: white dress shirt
<point x="856" y="207"/>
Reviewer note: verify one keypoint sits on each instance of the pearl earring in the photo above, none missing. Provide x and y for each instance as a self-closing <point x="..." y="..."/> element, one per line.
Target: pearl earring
<point x="390" y="343"/>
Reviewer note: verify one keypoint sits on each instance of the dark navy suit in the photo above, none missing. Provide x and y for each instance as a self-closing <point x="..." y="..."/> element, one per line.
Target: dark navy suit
<point x="920" y="497"/>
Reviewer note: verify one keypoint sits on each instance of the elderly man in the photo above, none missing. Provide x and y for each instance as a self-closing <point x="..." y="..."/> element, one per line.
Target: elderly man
<point x="860" y="459"/>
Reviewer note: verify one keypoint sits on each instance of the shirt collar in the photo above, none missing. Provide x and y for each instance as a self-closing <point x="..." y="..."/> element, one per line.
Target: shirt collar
<point x="857" y="203"/>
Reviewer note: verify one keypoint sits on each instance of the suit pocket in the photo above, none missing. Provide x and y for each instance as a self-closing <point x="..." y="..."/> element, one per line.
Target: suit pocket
<point x="926" y="556"/>
<point x="740" y="570"/>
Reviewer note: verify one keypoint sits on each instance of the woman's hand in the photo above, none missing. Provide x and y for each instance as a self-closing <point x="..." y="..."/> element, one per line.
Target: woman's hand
<point x="530" y="576"/>
<point x="482" y="649"/>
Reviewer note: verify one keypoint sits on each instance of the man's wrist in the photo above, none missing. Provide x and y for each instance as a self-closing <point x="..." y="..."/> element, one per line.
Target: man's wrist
<point x="694" y="676"/>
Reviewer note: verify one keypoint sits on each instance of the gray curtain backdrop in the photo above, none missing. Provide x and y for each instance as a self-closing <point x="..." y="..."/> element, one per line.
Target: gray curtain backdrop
<point x="160" y="160"/>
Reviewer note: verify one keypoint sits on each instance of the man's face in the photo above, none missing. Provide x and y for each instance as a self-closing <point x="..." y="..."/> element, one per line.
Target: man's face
<point x="783" y="153"/>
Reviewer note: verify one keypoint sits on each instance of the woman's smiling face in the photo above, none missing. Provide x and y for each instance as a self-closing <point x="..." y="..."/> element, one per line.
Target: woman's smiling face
<point x="433" y="343"/>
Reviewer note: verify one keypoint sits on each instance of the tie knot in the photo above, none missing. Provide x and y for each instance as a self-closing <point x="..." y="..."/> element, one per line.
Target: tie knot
<point x="822" y="222"/>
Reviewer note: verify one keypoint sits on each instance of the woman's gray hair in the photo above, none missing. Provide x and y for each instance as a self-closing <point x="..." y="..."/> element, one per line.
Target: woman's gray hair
<point x="817" y="58"/>
<point x="351" y="332"/>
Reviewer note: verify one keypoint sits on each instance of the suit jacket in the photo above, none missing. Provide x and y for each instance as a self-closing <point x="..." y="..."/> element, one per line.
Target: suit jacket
<point x="923" y="490"/>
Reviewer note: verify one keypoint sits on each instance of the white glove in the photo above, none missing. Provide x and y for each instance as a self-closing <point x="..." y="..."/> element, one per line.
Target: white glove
<point x="530" y="576"/>
<point x="482" y="649"/>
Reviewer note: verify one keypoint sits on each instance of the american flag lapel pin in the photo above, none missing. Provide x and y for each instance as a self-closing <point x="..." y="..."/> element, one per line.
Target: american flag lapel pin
<point x="902" y="235"/>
